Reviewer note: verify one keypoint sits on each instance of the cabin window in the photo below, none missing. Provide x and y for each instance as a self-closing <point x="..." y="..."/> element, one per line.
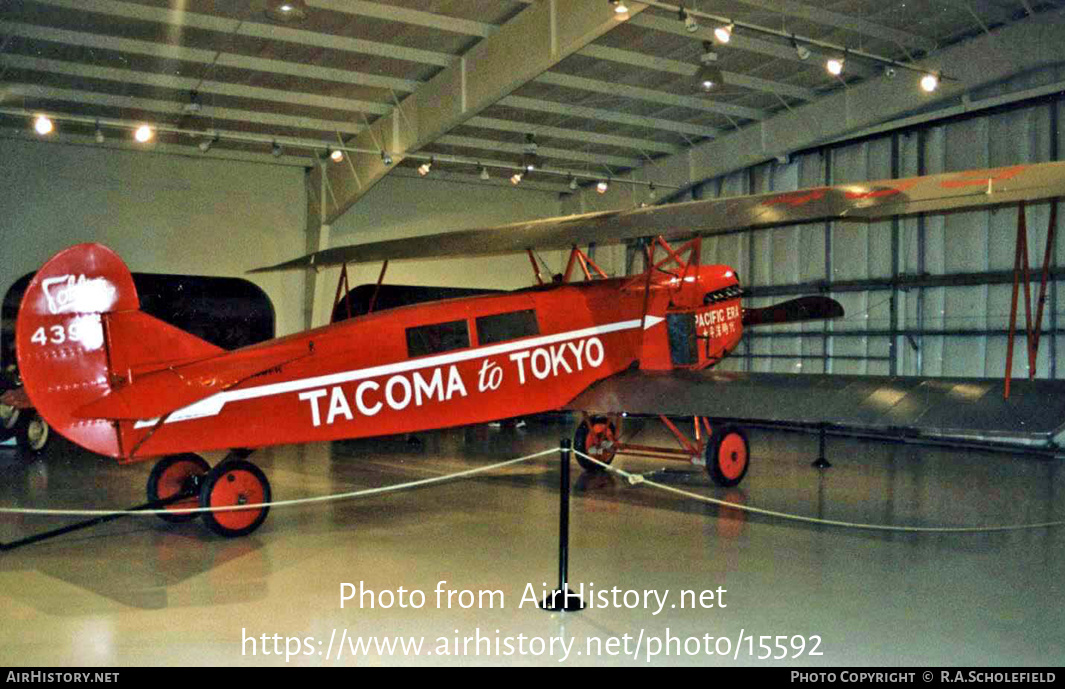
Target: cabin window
<point x="437" y="338"/>
<point x="506" y="326"/>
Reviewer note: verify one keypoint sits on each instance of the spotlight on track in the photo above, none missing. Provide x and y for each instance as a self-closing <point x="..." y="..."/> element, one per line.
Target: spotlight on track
<point x="484" y="174"/>
<point x="144" y="134"/>
<point x="723" y="34"/>
<point x="835" y="66"/>
<point x="602" y="186"/>
<point x="424" y="168"/>
<point x="690" y="25"/>
<point x="515" y="179"/>
<point x="386" y="158"/>
<point x="802" y="51"/>
<point x="276" y="150"/>
<point x="206" y="144"/>
<point x="336" y="155"/>
<point x="929" y="82"/>
<point x="621" y="10"/>
<point x="652" y="193"/>
<point x="43" y="125"/>
<point x="99" y="134"/>
<point x="572" y="183"/>
<point x="288" y="11"/>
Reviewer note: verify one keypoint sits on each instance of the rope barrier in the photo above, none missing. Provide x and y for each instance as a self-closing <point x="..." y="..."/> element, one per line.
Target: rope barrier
<point x="637" y="479"/>
<point x="283" y="503"/>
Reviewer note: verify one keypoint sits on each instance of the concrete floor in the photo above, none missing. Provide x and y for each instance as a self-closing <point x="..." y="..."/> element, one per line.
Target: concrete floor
<point x="141" y="592"/>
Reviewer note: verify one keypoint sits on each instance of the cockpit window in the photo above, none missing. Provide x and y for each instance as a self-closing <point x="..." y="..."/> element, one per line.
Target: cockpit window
<point x="506" y="326"/>
<point x="437" y="338"/>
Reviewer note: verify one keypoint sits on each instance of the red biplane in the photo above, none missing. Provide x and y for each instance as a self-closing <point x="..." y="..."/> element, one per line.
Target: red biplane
<point x="124" y="384"/>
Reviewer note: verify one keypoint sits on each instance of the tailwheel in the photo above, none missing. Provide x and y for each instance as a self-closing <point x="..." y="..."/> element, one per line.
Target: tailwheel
<point x="175" y="475"/>
<point x="727" y="456"/>
<point x="32" y="432"/>
<point x="235" y="482"/>
<point x="595" y="437"/>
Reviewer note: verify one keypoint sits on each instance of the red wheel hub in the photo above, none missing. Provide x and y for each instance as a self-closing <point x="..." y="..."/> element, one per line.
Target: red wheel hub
<point x="176" y="479"/>
<point x="732" y="456"/>
<point x="237" y="487"/>
<point x="600" y="442"/>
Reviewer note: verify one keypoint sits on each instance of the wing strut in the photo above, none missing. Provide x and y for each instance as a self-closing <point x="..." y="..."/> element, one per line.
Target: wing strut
<point x="1021" y="271"/>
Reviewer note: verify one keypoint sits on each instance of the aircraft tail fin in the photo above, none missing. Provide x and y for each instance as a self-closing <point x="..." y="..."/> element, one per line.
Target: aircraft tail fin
<point x="80" y="335"/>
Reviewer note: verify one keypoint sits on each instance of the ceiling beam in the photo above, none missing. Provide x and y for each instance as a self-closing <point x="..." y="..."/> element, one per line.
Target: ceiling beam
<point x="580" y="111"/>
<point x="528" y="45"/>
<point x="650" y="95"/>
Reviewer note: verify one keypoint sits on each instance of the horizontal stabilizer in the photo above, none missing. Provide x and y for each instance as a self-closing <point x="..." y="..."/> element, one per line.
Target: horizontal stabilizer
<point x="794" y="311"/>
<point x="158" y="393"/>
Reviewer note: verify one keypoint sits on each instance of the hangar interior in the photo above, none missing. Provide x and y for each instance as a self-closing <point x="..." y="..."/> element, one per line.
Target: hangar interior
<point x="245" y="102"/>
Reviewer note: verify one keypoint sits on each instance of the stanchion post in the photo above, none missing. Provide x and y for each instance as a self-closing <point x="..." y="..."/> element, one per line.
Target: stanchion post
<point x="821" y="462"/>
<point x="562" y="598"/>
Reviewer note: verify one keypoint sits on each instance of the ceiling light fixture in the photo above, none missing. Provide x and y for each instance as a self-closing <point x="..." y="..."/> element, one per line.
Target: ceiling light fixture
<point x="515" y="179"/>
<point x="336" y="155"/>
<point x="386" y="158"/>
<point x="602" y="186"/>
<point x="930" y="82"/>
<point x="723" y="34"/>
<point x="194" y="105"/>
<point x="206" y="144"/>
<point x="287" y="10"/>
<point x="652" y="193"/>
<point x="43" y="126"/>
<point x="484" y="174"/>
<point x="424" y="168"/>
<point x="621" y="10"/>
<point x="276" y="150"/>
<point x="835" y="65"/>
<point x="802" y="51"/>
<point x="144" y="134"/>
<point x="572" y="183"/>
<point x="690" y="25"/>
<point x="99" y="134"/>
<point x="708" y="76"/>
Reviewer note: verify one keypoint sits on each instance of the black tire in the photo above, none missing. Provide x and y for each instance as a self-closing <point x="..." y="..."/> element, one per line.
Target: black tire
<point x="728" y="456"/>
<point x="235" y="482"/>
<point x="177" y="473"/>
<point x="580" y="443"/>
<point x="32" y="432"/>
<point x="9" y="417"/>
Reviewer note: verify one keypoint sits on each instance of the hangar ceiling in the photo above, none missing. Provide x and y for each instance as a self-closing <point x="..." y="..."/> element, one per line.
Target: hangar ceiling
<point x="222" y="78"/>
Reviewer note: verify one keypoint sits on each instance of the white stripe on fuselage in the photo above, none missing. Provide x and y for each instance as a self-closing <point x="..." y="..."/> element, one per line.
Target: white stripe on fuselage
<point x="212" y="406"/>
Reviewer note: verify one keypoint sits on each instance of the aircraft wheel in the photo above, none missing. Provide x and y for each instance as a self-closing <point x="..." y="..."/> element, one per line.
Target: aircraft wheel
<point x="235" y="482"/>
<point x="727" y="456"/>
<point x="176" y="474"/>
<point x="9" y="416"/>
<point x="32" y="432"/>
<point x="595" y="437"/>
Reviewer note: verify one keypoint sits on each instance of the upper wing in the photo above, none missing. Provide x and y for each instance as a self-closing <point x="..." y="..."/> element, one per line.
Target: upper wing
<point x="868" y="201"/>
<point x="954" y="407"/>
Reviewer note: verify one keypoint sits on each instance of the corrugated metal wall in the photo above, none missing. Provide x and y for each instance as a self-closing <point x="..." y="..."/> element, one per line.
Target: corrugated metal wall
<point x="950" y="330"/>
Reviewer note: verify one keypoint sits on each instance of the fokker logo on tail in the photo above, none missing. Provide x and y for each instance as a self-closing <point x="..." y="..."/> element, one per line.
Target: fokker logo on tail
<point x="66" y="294"/>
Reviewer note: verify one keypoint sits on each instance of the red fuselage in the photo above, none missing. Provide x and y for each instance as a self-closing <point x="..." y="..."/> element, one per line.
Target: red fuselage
<point x="457" y="362"/>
